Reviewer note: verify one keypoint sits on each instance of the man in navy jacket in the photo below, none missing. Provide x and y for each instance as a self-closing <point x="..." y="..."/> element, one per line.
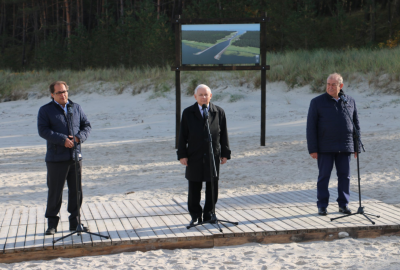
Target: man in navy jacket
<point x="330" y="140"/>
<point x="53" y="127"/>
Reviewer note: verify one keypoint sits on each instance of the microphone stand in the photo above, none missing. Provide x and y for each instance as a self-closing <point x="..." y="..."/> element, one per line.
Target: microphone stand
<point x="79" y="228"/>
<point x="213" y="173"/>
<point x="360" y="210"/>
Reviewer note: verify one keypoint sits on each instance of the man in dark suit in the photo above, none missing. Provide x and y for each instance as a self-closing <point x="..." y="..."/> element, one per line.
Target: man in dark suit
<point x="193" y="151"/>
<point x="330" y="140"/>
<point x="53" y="126"/>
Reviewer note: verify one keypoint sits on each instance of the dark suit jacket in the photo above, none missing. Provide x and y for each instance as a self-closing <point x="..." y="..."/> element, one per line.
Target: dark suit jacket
<point x="193" y="145"/>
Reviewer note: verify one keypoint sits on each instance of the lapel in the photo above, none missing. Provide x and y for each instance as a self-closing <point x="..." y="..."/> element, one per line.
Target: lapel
<point x="196" y="111"/>
<point x="212" y="113"/>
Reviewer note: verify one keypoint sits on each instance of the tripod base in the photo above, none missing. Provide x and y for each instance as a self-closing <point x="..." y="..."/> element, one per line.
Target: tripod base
<point x="79" y="231"/>
<point x="213" y="220"/>
<point x="360" y="211"/>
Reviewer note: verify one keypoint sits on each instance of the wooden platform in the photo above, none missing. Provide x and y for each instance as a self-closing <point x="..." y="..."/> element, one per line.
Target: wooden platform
<point x="278" y="217"/>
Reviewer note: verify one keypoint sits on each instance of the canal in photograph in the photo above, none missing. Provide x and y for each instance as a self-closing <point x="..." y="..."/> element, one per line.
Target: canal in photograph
<point x="207" y="57"/>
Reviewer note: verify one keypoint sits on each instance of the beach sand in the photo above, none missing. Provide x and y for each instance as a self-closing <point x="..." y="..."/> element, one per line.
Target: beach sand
<point x="130" y="155"/>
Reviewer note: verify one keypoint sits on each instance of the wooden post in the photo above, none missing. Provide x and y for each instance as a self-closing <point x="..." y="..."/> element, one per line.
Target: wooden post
<point x="178" y="34"/>
<point x="263" y="52"/>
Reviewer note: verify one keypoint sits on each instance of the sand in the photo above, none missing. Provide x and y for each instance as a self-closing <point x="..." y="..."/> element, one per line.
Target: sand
<point x="130" y="155"/>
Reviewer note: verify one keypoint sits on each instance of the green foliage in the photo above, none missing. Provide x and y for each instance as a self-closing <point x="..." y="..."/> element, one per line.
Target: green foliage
<point x="248" y="39"/>
<point x="204" y="36"/>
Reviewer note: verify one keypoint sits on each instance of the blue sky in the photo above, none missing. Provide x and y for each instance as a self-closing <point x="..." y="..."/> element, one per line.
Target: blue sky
<point x="222" y="27"/>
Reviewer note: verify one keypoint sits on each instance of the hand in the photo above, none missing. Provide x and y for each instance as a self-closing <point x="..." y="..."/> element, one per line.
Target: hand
<point x="314" y="155"/>
<point x="68" y="142"/>
<point x="355" y="154"/>
<point x="224" y="160"/>
<point x="77" y="139"/>
<point x="183" y="161"/>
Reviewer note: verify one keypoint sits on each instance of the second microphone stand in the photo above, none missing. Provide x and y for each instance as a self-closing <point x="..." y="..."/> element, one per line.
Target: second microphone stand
<point x="213" y="173"/>
<point x="358" y="142"/>
<point x="79" y="229"/>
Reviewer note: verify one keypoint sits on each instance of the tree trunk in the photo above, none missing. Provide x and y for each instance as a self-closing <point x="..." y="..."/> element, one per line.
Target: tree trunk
<point x="35" y="25"/>
<point x="78" y="13"/>
<point x="372" y="21"/>
<point x="390" y="19"/>
<point x="158" y="9"/>
<point x="14" y="23"/>
<point x="122" y="11"/>
<point x="67" y="15"/>
<point x="81" y="11"/>
<point x="23" y="34"/>
<point x="4" y="20"/>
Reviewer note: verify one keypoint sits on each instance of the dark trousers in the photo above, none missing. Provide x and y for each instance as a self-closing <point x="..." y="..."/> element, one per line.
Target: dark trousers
<point x="194" y="197"/>
<point x="57" y="173"/>
<point x="325" y="166"/>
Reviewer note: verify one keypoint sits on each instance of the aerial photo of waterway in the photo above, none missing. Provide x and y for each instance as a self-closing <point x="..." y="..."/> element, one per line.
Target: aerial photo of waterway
<point x="192" y="55"/>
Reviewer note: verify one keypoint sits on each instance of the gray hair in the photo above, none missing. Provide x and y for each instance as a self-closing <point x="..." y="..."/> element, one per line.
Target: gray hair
<point x="336" y="76"/>
<point x="202" y="86"/>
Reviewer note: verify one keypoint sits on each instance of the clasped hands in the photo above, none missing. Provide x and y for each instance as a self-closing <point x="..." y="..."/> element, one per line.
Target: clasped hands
<point x="69" y="142"/>
<point x="184" y="161"/>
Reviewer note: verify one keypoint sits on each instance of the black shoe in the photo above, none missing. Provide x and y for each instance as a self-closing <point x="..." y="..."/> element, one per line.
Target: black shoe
<point x="72" y="228"/>
<point x="51" y="231"/>
<point x="322" y="211"/>
<point x="345" y="210"/>
<point x="194" y="220"/>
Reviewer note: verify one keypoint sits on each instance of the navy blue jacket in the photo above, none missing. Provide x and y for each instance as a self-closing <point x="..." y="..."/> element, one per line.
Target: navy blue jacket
<point x="329" y="128"/>
<point x="53" y="127"/>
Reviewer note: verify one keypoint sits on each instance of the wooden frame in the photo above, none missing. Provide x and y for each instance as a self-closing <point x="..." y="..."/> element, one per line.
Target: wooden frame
<point x="179" y="67"/>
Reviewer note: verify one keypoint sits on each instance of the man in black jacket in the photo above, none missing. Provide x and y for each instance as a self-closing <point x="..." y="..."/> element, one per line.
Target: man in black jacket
<point x="193" y="151"/>
<point x="330" y="140"/>
<point x="53" y="127"/>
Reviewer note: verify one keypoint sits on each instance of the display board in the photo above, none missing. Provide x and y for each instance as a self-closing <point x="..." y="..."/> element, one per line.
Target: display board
<point x="220" y="44"/>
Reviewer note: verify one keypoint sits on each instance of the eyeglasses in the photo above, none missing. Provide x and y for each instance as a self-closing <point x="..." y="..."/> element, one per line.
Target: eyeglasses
<point x="61" y="93"/>
<point x="333" y="84"/>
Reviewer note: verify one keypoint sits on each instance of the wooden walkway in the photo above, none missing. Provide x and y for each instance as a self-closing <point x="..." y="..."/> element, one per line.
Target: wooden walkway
<point x="278" y="217"/>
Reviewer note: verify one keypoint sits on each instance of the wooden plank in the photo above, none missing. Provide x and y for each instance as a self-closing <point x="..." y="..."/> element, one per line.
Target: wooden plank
<point x="40" y="228"/>
<point x="196" y="231"/>
<point x="260" y="221"/>
<point x="313" y="216"/>
<point x="85" y="238"/>
<point x="23" y="220"/>
<point x="245" y="219"/>
<point x="101" y="226"/>
<point x="8" y="216"/>
<point x="236" y="202"/>
<point x="149" y="210"/>
<point x="93" y="210"/>
<point x="112" y="231"/>
<point x="118" y="211"/>
<point x="16" y="217"/>
<point x="102" y="211"/>
<point x="87" y="213"/>
<point x="272" y="221"/>
<point x="62" y="230"/>
<point x="30" y="237"/>
<point x="292" y="198"/>
<point x="284" y="217"/>
<point x="21" y="234"/>
<point x="248" y="202"/>
<point x="95" y="240"/>
<point x="32" y="215"/>
<point x="127" y="212"/>
<point x="120" y="229"/>
<point x="129" y="229"/>
<point x="300" y="219"/>
<point x="177" y="229"/>
<point x="135" y="207"/>
<point x="11" y="237"/>
<point x="134" y="212"/>
<point x="181" y="202"/>
<point x="164" y="207"/>
<point x="110" y="210"/>
<point x="2" y="214"/>
<point x="172" y="206"/>
<point x="261" y="201"/>
<point x="234" y="229"/>
<point x="164" y="228"/>
<point x="3" y="237"/>
<point x="155" y="208"/>
<point x="142" y="228"/>
<point x="157" y="229"/>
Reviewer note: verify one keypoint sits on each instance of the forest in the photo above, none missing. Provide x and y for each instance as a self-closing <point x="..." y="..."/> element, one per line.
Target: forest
<point x="248" y="39"/>
<point x="82" y="34"/>
<point x="205" y="36"/>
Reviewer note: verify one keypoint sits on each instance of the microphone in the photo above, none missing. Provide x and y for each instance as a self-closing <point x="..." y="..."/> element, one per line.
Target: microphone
<point x="70" y="108"/>
<point x="342" y="96"/>
<point x="205" y="112"/>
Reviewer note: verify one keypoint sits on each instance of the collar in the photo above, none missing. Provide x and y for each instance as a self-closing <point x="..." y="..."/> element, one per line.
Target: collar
<point x="201" y="108"/>
<point x="61" y="105"/>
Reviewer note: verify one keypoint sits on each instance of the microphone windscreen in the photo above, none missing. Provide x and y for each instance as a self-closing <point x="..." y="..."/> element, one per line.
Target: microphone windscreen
<point x="204" y="106"/>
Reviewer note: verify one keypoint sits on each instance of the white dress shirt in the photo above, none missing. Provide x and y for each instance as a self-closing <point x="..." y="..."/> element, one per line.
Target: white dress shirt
<point x="201" y="109"/>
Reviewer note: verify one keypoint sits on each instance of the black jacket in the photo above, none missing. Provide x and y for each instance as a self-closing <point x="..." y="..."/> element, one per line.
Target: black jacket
<point x="193" y="145"/>
<point x="53" y="127"/>
<point x="329" y="128"/>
